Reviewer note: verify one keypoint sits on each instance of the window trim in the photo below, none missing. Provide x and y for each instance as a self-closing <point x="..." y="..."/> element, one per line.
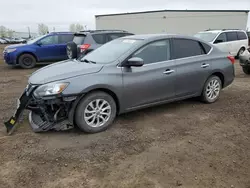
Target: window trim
<point x="194" y="55"/>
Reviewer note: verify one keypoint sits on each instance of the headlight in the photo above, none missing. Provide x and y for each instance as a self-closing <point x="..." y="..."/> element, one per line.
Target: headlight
<point x="50" y="89"/>
<point x="10" y="50"/>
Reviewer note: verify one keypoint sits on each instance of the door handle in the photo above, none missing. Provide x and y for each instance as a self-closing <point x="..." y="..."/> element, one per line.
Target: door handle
<point x="205" y="65"/>
<point x="168" y="71"/>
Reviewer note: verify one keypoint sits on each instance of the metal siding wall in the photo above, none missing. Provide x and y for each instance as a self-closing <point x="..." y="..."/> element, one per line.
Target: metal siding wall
<point x="175" y="22"/>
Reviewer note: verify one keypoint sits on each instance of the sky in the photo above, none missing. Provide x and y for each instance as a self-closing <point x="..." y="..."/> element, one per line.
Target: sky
<point x="59" y="14"/>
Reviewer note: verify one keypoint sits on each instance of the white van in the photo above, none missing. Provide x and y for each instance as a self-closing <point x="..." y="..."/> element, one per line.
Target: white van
<point x="232" y="41"/>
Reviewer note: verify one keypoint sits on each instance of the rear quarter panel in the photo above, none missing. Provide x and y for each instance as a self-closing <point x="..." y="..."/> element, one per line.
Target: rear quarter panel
<point x="221" y="64"/>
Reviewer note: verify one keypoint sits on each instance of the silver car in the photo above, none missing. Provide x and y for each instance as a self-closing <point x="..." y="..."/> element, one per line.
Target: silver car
<point x="123" y="75"/>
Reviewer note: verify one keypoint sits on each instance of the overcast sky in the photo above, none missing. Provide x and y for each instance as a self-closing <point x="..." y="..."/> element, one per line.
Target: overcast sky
<point x="18" y="14"/>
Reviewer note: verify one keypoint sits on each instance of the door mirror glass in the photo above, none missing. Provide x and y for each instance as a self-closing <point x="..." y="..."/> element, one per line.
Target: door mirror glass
<point x="135" y="62"/>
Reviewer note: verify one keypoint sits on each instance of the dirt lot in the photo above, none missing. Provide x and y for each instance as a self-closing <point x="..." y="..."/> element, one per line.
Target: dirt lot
<point x="187" y="144"/>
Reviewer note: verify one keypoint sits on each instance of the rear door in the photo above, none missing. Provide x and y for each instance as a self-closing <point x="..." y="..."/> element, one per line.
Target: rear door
<point x="62" y="44"/>
<point x="47" y="48"/>
<point x="192" y="65"/>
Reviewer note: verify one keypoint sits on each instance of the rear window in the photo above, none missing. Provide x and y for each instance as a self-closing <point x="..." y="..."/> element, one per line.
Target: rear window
<point x="231" y="36"/>
<point x="99" y="38"/>
<point x="79" y="39"/>
<point x="206" y="47"/>
<point x="186" y="48"/>
<point x="241" y="35"/>
<point x="65" y="38"/>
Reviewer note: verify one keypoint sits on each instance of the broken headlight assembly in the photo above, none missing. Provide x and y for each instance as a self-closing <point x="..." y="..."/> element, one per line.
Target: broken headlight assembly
<point x="50" y="89"/>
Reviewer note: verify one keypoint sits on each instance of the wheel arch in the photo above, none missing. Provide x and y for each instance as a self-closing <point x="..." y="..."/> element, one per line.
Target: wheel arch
<point x="110" y="92"/>
<point x="26" y="52"/>
<point x="220" y="75"/>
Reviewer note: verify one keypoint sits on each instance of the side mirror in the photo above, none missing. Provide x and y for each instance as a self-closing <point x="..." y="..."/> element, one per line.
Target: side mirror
<point x="218" y="41"/>
<point x="135" y="62"/>
<point x="39" y="43"/>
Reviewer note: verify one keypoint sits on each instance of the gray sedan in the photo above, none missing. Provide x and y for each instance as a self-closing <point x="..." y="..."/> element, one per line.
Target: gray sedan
<point x="123" y="75"/>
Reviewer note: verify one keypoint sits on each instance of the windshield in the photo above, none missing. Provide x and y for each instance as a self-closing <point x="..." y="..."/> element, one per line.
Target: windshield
<point x="35" y="39"/>
<point x="111" y="51"/>
<point x="206" y="36"/>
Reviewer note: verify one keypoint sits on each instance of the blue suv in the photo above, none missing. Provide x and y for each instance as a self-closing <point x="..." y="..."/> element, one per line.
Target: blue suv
<point x="46" y="48"/>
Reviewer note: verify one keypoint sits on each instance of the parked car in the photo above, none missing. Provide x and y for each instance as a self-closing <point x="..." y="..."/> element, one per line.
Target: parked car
<point x="245" y="61"/>
<point x="123" y="75"/>
<point x="2" y="41"/>
<point x="87" y="41"/>
<point x="248" y="35"/>
<point x="227" y="40"/>
<point x="46" y="48"/>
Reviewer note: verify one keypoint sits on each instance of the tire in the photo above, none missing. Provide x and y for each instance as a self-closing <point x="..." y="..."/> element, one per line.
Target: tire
<point x="215" y="83"/>
<point x="246" y="70"/>
<point x="240" y="52"/>
<point x="27" y="61"/>
<point x="71" y="50"/>
<point x="86" y="117"/>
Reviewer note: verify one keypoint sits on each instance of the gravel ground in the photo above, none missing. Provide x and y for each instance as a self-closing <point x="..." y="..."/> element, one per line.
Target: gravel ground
<point x="183" y="144"/>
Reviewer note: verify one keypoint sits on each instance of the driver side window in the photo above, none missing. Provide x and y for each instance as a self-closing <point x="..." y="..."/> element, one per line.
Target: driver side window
<point x="53" y="39"/>
<point x="154" y="52"/>
<point x="221" y="38"/>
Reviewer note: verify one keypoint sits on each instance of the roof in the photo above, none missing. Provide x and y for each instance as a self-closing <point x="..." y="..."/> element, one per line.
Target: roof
<point x="220" y="30"/>
<point x="158" y="36"/>
<point x="61" y="32"/>
<point x="155" y="11"/>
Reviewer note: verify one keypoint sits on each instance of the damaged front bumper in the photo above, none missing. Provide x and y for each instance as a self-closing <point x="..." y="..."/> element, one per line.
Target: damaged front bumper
<point x="245" y="58"/>
<point x="47" y="113"/>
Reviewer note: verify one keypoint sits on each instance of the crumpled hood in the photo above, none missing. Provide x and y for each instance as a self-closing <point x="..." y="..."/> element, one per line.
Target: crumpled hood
<point x="14" y="46"/>
<point x="63" y="70"/>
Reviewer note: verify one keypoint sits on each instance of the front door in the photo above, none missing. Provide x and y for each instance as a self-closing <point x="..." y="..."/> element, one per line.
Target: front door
<point x="221" y="43"/>
<point x="154" y="81"/>
<point x="48" y="48"/>
<point x="192" y="64"/>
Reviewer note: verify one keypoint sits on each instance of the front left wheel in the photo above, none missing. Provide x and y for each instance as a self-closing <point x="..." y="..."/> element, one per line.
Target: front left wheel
<point x="95" y="112"/>
<point x="27" y="61"/>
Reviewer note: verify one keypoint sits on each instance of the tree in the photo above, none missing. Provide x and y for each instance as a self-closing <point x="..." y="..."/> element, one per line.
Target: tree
<point x="3" y="31"/>
<point x="43" y="29"/>
<point x="75" y="27"/>
<point x="79" y="27"/>
<point x="10" y="33"/>
<point x="72" y="28"/>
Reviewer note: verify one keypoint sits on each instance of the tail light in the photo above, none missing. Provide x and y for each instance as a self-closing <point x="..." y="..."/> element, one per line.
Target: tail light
<point x="84" y="47"/>
<point x="231" y="58"/>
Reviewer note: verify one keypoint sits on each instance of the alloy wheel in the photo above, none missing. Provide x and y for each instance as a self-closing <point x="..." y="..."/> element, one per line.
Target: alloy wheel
<point x="97" y="113"/>
<point x="213" y="89"/>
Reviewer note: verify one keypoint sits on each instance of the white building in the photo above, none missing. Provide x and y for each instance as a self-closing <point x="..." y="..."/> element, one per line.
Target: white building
<point x="186" y="22"/>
